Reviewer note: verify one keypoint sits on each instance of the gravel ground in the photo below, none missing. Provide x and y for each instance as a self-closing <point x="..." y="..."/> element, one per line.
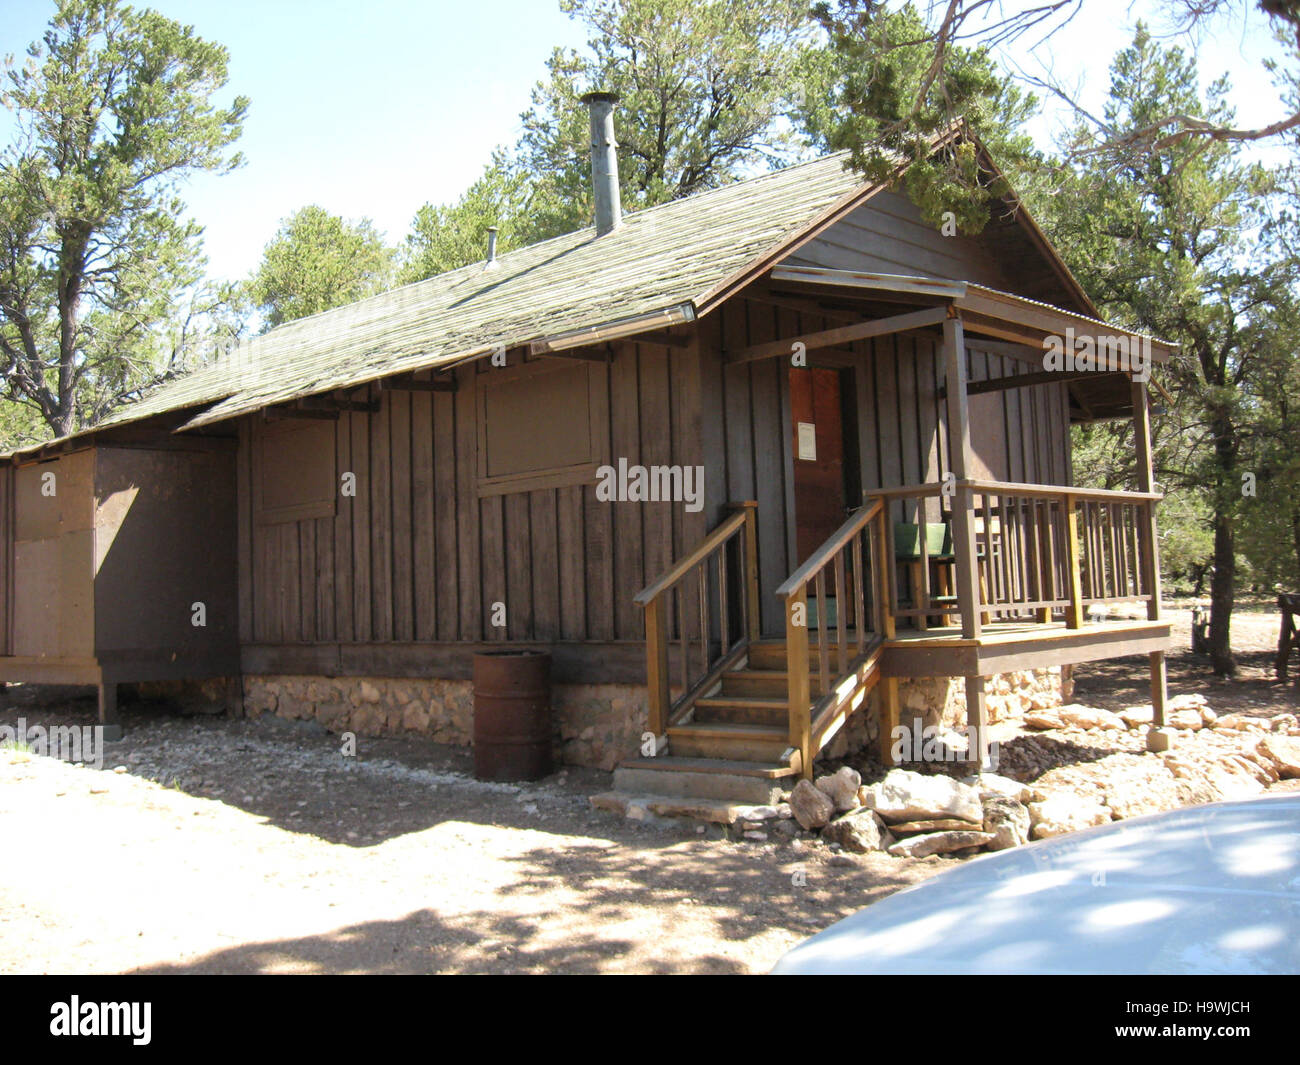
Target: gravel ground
<point x="216" y="845"/>
<point x="208" y="844"/>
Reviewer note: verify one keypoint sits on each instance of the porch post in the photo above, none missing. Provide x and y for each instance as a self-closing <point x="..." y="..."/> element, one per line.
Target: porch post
<point x="1150" y="548"/>
<point x="959" y="454"/>
<point x="977" y="724"/>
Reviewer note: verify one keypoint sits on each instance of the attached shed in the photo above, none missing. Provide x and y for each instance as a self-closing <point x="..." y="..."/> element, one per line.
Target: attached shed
<point x="119" y="565"/>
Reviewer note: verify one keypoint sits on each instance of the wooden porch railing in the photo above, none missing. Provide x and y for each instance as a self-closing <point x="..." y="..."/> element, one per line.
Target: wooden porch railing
<point x="1041" y="550"/>
<point x="707" y="604"/>
<point x="851" y="625"/>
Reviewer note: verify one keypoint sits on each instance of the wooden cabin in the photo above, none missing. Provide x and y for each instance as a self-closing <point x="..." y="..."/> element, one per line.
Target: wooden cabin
<point x="741" y="463"/>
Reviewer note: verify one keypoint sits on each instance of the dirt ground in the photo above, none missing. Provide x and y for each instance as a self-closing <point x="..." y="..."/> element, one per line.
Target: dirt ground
<point x="1254" y="690"/>
<point x="235" y="846"/>
<point x="208" y="844"/>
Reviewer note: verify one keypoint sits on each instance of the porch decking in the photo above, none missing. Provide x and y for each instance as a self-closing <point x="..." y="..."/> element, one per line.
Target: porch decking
<point x="1016" y="645"/>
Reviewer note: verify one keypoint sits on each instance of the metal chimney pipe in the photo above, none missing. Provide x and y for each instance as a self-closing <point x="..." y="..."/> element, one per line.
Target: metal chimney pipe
<point x="604" y="161"/>
<point x="492" y="247"/>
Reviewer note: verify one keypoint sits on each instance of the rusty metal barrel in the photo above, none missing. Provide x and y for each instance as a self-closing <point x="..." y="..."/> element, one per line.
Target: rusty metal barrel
<point x="512" y="715"/>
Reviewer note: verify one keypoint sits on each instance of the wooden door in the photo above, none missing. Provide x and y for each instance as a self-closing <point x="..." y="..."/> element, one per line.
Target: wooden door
<point x="817" y="435"/>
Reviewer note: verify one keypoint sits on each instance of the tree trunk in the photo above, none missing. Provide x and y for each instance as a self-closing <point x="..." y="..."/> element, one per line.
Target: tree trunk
<point x="1295" y="539"/>
<point x="1222" y="588"/>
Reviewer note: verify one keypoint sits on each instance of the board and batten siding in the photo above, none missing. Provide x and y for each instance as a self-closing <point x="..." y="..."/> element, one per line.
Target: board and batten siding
<point x="887" y="235"/>
<point x="7" y="475"/>
<point x="1021" y="435"/>
<point x="419" y="555"/>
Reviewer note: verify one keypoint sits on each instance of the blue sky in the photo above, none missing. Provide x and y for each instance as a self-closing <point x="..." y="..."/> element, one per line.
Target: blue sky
<point x="371" y="108"/>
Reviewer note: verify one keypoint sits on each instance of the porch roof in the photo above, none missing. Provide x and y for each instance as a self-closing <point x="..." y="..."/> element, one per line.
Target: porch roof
<point x="1098" y="390"/>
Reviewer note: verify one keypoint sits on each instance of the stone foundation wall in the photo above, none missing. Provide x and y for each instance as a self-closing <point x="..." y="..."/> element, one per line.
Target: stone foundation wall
<point x="596" y="725"/>
<point x="941" y="702"/>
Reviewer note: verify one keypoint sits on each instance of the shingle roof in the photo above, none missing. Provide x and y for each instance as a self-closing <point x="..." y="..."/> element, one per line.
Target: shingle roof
<point x="669" y="256"/>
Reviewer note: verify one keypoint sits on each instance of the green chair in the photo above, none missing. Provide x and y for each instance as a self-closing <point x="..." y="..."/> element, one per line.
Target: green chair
<point x="938" y="550"/>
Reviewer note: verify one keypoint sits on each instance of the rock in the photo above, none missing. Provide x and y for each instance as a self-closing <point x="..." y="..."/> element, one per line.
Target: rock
<point x="860" y="831"/>
<point x="1188" y="719"/>
<point x="1137" y="716"/>
<point x="1284" y="753"/>
<point x="368" y="693"/>
<point x="1208" y="717"/>
<point x="1065" y="812"/>
<point x="415" y="718"/>
<point x="1240" y="723"/>
<point x="907" y="796"/>
<point x="1081" y="716"/>
<point x="786" y="828"/>
<point x="842" y="788"/>
<point x="1192" y="701"/>
<point x="1132" y="791"/>
<point x="1007" y="820"/>
<point x="757" y="813"/>
<point x="1042" y="719"/>
<point x="939" y="843"/>
<point x="1285" y="723"/>
<point x="811" y="806"/>
<point x="991" y="784"/>
<point x="1202" y="779"/>
<point x="914" y="828"/>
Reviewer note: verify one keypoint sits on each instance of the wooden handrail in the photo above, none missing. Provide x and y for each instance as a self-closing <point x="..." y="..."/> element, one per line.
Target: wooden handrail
<point x="702" y="551"/>
<point x="839" y="571"/>
<point x="1015" y="488"/>
<point x="818" y="559"/>
<point x="655" y="599"/>
<point x="1056" y="491"/>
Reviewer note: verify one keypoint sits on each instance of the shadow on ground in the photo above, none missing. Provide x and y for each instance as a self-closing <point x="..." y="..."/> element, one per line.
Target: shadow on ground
<point x="629" y="897"/>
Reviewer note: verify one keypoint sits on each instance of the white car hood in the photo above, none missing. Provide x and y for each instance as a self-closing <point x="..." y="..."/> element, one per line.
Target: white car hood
<point x="1208" y="889"/>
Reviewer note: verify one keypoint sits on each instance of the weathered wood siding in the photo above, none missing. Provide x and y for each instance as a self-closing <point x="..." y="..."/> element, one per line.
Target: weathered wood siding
<point x="53" y="551"/>
<point x="7" y="560"/>
<point x="418" y="556"/>
<point x="901" y="423"/>
<point x="887" y="235"/>
<point x="164" y="523"/>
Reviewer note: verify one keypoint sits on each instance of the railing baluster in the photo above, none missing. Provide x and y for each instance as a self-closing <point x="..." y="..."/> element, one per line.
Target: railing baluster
<point x="887" y="561"/>
<point x="681" y="635"/>
<point x="656" y="630"/>
<point x="859" y="595"/>
<point x="1074" y="615"/>
<point x="753" y="622"/>
<point x="724" y="607"/>
<point x="703" y="572"/>
<point x="823" y="652"/>
<point x="796" y="665"/>
<point x="841" y="612"/>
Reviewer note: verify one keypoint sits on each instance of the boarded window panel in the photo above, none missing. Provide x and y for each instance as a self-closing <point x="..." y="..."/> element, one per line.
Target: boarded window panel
<point x="297" y="479"/>
<point x="539" y="427"/>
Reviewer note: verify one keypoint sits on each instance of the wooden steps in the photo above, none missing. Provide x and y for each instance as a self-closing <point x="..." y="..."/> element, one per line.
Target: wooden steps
<point x="733" y="742"/>
<point x="704" y="778"/>
<point x="733" y="747"/>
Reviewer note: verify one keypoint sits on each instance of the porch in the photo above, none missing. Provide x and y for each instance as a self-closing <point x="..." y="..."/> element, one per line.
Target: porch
<point x="964" y="576"/>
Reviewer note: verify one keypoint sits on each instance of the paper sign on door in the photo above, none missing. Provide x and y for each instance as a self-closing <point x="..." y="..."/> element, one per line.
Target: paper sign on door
<point x="808" y="441"/>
